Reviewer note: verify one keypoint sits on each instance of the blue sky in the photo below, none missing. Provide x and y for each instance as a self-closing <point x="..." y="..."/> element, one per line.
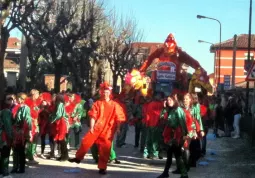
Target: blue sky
<point x="158" y="18"/>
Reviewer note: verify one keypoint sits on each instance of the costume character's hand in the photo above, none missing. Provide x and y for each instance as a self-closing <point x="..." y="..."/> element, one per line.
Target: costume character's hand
<point x="92" y="130"/>
<point x="202" y="133"/>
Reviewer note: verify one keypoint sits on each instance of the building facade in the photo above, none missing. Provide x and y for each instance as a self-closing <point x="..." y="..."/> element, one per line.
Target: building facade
<point x="226" y="58"/>
<point x="11" y="61"/>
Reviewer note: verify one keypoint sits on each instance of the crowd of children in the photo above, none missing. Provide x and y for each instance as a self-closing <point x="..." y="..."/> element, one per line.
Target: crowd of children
<point x="176" y="124"/>
<point x="24" y="119"/>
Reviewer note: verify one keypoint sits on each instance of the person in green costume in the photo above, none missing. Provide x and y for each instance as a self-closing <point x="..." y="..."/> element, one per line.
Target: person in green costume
<point x="140" y="131"/>
<point x="174" y="134"/>
<point x="76" y="116"/>
<point x="59" y="119"/>
<point x="22" y="133"/>
<point x="6" y="134"/>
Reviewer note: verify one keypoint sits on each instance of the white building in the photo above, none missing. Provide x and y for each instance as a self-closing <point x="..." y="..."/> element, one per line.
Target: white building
<point x="11" y="61"/>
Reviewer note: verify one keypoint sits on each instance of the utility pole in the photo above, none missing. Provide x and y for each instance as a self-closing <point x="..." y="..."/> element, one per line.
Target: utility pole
<point x="249" y="51"/>
<point x="234" y="62"/>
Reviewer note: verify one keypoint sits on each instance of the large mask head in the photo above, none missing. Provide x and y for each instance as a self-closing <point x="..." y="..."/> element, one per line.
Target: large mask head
<point x="170" y="45"/>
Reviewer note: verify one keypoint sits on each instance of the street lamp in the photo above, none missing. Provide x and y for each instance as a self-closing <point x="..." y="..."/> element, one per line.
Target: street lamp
<point x="202" y="41"/>
<point x="204" y="17"/>
<point x="214" y="70"/>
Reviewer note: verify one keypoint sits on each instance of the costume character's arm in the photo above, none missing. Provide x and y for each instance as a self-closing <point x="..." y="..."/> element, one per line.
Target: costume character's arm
<point x="150" y="59"/>
<point x="6" y="116"/>
<point x="120" y="115"/>
<point x="197" y="116"/>
<point x="187" y="59"/>
<point x="94" y="113"/>
<point x="163" y="113"/>
<point x="182" y="119"/>
<point x="59" y="113"/>
<point x="24" y="115"/>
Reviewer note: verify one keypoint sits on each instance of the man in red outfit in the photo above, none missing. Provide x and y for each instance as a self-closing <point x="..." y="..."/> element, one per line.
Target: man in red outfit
<point x="105" y="118"/>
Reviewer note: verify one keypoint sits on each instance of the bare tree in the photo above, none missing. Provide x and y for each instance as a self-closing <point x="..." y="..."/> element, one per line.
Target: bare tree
<point x="116" y="45"/>
<point x="62" y="24"/>
<point x="10" y="9"/>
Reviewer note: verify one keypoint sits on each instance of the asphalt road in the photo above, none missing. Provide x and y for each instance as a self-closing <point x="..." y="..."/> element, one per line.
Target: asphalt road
<point x="233" y="158"/>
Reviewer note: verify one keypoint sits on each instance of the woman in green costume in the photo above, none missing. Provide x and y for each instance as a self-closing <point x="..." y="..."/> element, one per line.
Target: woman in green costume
<point x="174" y="134"/>
<point x="22" y="133"/>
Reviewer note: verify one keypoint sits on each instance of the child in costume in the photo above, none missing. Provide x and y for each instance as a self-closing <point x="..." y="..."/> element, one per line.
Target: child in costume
<point x="152" y="122"/>
<point x="174" y="133"/>
<point x="43" y="122"/>
<point x="52" y="129"/>
<point x="195" y="129"/>
<point x="106" y="116"/>
<point x="6" y="134"/>
<point x="75" y="119"/>
<point x="33" y="102"/>
<point x="140" y="135"/>
<point x="22" y="133"/>
<point x="69" y="108"/>
<point x="59" y="119"/>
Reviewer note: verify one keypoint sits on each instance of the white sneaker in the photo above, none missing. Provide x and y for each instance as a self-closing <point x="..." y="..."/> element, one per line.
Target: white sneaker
<point x="9" y="176"/>
<point x="236" y="136"/>
<point x="42" y="156"/>
<point x="68" y="146"/>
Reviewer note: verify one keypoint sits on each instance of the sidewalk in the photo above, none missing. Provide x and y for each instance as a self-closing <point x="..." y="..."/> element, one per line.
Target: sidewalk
<point x="233" y="159"/>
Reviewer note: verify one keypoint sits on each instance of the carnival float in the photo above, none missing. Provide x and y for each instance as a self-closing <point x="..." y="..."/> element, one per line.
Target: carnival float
<point x="162" y="72"/>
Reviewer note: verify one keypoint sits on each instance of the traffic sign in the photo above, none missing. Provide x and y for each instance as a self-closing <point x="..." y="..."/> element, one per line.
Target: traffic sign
<point x="251" y="73"/>
<point x="227" y="79"/>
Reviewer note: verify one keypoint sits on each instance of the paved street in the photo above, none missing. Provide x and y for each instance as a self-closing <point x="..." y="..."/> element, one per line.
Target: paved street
<point x="232" y="159"/>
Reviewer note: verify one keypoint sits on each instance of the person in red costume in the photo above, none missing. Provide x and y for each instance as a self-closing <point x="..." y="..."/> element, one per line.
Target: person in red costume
<point x="43" y="122"/>
<point x="106" y="116"/>
<point x="33" y="102"/>
<point x="195" y="130"/>
<point x="170" y="52"/>
<point x="152" y="122"/>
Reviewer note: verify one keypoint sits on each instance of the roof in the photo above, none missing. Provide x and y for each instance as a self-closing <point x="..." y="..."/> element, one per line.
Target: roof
<point x="152" y="46"/>
<point x="10" y="64"/>
<point x="242" y="43"/>
<point x="211" y="75"/>
<point x="13" y="43"/>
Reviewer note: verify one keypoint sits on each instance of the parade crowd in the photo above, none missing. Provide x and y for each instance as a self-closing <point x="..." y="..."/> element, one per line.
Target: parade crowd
<point x="176" y="124"/>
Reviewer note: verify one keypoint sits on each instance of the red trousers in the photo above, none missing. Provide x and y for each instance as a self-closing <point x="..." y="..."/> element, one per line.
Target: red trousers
<point x="104" y="147"/>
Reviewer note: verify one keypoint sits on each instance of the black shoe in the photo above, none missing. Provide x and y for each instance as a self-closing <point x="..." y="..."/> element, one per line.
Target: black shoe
<point x="117" y="161"/>
<point x="163" y="175"/>
<point x="177" y="171"/>
<point x="102" y="171"/>
<point x="74" y="160"/>
<point x="150" y="157"/>
<point x="160" y="157"/>
<point x="14" y="171"/>
<point x="184" y="177"/>
<point x="20" y="171"/>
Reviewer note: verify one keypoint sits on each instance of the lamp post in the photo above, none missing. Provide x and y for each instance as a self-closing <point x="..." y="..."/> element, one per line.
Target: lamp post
<point x="204" y="17"/>
<point x="202" y="41"/>
<point x="214" y="70"/>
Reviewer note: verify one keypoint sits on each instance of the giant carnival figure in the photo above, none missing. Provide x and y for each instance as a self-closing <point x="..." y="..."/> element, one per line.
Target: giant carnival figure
<point x="162" y="71"/>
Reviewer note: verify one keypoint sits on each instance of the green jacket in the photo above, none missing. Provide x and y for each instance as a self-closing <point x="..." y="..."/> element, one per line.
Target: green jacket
<point x="5" y="127"/>
<point x="61" y="112"/>
<point x="195" y="111"/>
<point x="175" y="118"/>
